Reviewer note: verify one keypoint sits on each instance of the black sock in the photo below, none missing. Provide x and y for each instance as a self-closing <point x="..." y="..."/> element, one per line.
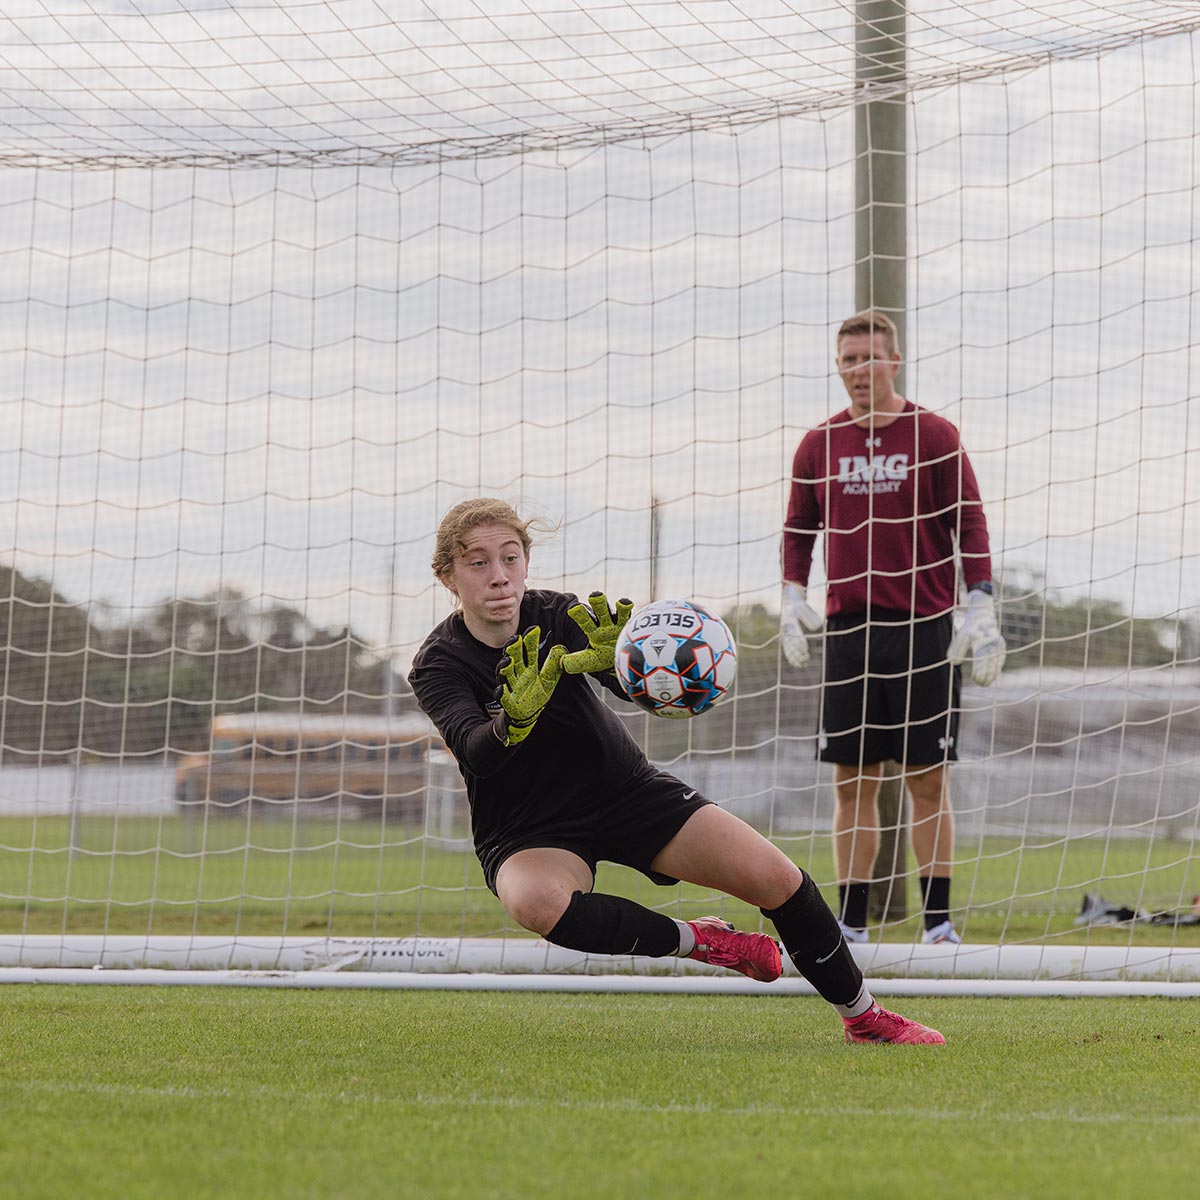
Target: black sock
<point x="599" y="924"/>
<point x="853" y="901"/>
<point x="810" y="932"/>
<point x="935" y="899"/>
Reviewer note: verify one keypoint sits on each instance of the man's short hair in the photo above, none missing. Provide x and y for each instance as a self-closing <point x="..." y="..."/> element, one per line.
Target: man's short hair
<point x="871" y="321"/>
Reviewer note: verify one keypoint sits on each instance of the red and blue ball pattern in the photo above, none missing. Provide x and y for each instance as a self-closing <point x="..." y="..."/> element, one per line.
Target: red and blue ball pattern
<point x="676" y="658"/>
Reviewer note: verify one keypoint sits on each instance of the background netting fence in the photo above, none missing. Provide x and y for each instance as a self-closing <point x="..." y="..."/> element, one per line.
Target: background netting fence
<point x="280" y="284"/>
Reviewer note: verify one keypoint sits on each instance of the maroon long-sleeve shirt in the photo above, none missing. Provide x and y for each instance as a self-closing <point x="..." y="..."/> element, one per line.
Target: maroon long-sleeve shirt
<point x="891" y="503"/>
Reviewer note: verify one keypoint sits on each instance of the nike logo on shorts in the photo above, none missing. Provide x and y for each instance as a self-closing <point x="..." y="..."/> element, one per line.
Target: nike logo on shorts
<point x="688" y="795"/>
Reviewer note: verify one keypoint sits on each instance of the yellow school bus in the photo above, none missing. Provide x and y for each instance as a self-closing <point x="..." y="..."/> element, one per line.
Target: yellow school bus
<point x="353" y="764"/>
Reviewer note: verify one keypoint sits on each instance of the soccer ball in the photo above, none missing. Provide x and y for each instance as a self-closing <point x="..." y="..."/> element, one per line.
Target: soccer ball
<point x="675" y="658"/>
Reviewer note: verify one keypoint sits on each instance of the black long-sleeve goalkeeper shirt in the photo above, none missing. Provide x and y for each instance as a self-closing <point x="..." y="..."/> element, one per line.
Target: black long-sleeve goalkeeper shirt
<point x="574" y="763"/>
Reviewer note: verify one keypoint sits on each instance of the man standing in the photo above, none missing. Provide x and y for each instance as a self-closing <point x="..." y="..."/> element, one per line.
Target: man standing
<point x="893" y="492"/>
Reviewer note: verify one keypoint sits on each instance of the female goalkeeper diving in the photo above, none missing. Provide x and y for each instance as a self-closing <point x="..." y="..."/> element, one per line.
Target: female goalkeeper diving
<point x="556" y="784"/>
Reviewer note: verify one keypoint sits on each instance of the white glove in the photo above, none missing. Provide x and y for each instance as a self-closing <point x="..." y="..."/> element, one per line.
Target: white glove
<point x="979" y="633"/>
<point x="795" y="614"/>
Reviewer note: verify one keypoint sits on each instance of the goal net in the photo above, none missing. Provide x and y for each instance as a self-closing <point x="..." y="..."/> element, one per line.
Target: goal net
<point x="282" y="283"/>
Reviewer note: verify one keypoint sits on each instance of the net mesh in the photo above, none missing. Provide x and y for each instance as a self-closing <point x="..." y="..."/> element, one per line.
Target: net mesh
<point x="281" y="283"/>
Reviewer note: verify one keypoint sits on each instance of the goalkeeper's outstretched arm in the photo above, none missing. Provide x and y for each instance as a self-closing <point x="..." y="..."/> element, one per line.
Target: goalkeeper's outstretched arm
<point x="474" y="736"/>
<point x="481" y="741"/>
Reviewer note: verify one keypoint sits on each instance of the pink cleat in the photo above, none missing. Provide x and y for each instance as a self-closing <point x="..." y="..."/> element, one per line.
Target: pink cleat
<point x="879" y="1025"/>
<point x="754" y="954"/>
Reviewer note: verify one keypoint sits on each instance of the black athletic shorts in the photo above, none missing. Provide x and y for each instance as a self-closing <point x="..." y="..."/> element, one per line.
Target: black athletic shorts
<point x="889" y="691"/>
<point x="630" y="831"/>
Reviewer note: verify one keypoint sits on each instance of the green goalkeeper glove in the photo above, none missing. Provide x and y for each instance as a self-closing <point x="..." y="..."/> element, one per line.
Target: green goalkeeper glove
<point x="525" y="690"/>
<point x="602" y="627"/>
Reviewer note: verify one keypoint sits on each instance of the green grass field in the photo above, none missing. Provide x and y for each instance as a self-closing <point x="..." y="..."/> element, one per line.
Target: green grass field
<point x="145" y="1093"/>
<point x="224" y="1092"/>
<point x="267" y="877"/>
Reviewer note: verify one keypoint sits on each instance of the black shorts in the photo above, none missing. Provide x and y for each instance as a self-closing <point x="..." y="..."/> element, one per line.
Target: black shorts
<point x="631" y="830"/>
<point x="889" y="691"/>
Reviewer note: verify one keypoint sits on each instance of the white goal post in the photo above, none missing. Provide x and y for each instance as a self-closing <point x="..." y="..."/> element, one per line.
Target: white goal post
<point x="282" y="283"/>
<point x="525" y="964"/>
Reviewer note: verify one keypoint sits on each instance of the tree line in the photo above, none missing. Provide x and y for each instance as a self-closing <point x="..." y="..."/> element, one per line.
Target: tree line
<point x="77" y="679"/>
<point x="74" y="679"/>
<point x="1041" y="628"/>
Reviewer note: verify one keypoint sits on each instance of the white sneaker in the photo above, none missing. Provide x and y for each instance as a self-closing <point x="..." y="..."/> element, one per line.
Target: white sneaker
<point x="941" y="935"/>
<point x="853" y="936"/>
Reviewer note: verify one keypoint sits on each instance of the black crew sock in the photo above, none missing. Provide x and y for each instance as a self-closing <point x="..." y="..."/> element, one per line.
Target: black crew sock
<point x="853" y="901"/>
<point x="814" y="941"/>
<point x="598" y="924"/>
<point x="935" y="899"/>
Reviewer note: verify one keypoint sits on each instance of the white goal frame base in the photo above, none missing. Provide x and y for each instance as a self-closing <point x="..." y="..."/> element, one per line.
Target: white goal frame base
<point x="526" y="964"/>
<point x="623" y="984"/>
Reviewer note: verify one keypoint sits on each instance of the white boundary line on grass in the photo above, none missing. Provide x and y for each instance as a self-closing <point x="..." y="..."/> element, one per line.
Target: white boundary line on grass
<point x="615" y="984"/>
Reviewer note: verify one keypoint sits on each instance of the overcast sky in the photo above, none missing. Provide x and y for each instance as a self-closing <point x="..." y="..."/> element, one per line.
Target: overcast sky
<point x="278" y="376"/>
